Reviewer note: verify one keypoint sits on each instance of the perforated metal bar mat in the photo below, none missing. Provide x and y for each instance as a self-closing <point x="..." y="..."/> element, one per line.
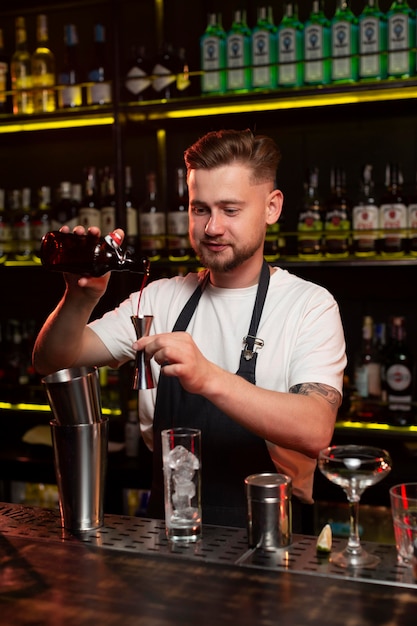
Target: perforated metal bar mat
<point x="218" y="545"/>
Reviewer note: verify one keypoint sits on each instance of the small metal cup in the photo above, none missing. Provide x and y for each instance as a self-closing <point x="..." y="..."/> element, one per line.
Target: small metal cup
<point x="269" y="511"/>
<point x="142" y="375"/>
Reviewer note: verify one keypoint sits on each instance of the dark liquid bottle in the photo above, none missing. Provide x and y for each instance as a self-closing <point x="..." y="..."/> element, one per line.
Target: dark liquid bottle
<point x="337" y="221"/>
<point x="398" y="377"/>
<point x="310" y="219"/>
<point x="177" y="221"/>
<point x="88" y="255"/>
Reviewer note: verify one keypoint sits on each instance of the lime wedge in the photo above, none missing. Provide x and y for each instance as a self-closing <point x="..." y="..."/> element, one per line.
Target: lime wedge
<point x="324" y="540"/>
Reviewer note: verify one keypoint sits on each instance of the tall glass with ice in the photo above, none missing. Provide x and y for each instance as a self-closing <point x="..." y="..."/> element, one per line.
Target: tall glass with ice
<point x="181" y="456"/>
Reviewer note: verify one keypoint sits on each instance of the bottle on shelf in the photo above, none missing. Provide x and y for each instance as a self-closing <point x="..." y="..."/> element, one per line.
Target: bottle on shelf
<point x="4" y="75"/>
<point x="88" y="254"/>
<point x="40" y="221"/>
<point x="338" y="217"/>
<point x="20" y="72"/>
<point x="393" y="214"/>
<point x="372" y="42"/>
<point x="69" y="78"/>
<point x="310" y="219"/>
<point x="132" y="233"/>
<point x="238" y="46"/>
<point x="317" y="63"/>
<point x="152" y="222"/>
<point x="264" y="50"/>
<point x="401" y="40"/>
<point x="108" y="204"/>
<point x="6" y="230"/>
<point x="365" y="217"/>
<point x="165" y="71"/>
<point x="399" y="374"/>
<point x="99" y="87"/>
<point x="290" y="37"/>
<point x="412" y="222"/>
<point x="179" y="247"/>
<point x="213" y="57"/>
<point x="43" y="70"/>
<point x="89" y="213"/>
<point x="138" y="82"/>
<point x="344" y="36"/>
<point x="368" y="365"/>
<point x="65" y="209"/>
<point x="22" y="227"/>
<point x="184" y="85"/>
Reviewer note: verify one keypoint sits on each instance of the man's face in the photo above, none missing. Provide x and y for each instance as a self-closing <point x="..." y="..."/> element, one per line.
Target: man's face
<point x="228" y="216"/>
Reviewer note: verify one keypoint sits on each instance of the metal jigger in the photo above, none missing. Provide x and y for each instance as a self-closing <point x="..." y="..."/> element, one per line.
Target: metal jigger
<point x="142" y="377"/>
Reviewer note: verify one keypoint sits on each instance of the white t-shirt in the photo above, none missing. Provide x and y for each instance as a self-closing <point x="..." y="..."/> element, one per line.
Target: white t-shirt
<point x="300" y="327"/>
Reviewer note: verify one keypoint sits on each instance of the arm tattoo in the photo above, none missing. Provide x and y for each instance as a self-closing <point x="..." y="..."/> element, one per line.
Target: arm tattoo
<point x="332" y="396"/>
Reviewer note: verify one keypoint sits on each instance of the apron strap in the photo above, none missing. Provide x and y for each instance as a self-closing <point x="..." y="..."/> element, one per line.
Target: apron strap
<point x="188" y="310"/>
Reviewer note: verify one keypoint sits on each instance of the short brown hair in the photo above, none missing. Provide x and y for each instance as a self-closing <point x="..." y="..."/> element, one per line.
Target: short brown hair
<point x="224" y="147"/>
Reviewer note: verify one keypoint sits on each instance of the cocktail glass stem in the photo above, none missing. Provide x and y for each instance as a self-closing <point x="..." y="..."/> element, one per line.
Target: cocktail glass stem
<point x="354" y="544"/>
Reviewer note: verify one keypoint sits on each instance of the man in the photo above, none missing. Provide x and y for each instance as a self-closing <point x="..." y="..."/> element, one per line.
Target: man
<point x="257" y="355"/>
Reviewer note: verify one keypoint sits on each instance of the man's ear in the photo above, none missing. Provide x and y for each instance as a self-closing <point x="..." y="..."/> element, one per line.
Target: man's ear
<point x="274" y="206"/>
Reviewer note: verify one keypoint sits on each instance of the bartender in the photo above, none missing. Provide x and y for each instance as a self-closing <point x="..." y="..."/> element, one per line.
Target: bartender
<point x="250" y="354"/>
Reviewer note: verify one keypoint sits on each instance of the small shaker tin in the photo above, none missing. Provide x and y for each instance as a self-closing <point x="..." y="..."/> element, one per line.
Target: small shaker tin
<point x="269" y="511"/>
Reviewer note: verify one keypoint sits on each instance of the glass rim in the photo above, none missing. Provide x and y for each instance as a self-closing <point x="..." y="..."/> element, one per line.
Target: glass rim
<point x="180" y="431"/>
<point x="374" y="451"/>
<point x="394" y="490"/>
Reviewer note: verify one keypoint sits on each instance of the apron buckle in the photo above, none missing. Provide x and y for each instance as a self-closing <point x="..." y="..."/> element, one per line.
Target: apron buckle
<point x="252" y="344"/>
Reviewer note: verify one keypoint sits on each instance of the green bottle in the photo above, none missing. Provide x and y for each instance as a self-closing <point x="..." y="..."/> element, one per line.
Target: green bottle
<point x="401" y="40"/>
<point x="317" y="69"/>
<point x="290" y="48"/>
<point x="213" y="57"/>
<point x="310" y="219"/>
<point x="337" y="219"/>
<point x="238" y="46"/>
<point x="344" y="32"/>
<point x="372" y="42"/>
<point x="264" y="51"/>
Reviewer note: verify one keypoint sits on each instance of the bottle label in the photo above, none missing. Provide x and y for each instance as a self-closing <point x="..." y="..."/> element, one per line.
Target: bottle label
<point x="398" y="378"/>
<point x="341" y="51"/>
<point x="99" y="93"/>
<point x="287" y="57"/>
<point x="393" y="217"/>
<point x="89" y="216"/>
<point x="369" y="44"/>
<point x="163" y="77"/>
<point x="365" y="218"/>
<point x="235" y="60"/>
<point x="398" y="44"/>
<point x="137" y="81"/>
<point x="56" y="224"/>
<point x="39" y="229"/>
<point x="261" y="58"/>
<point x="152" y="224"/>
<point x="70" y="96"/>
<point x="108" y="219"/>
<point x="177" y="222"/>
<point x="313" y="54"/>
<point x="211" y="80"/>
<point x="131" y="221"/>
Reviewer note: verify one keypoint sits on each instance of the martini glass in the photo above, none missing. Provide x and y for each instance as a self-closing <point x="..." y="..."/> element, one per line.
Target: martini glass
<point x="354" y="468"/>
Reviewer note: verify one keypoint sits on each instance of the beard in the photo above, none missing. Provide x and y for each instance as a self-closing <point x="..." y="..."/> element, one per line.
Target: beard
<point x="230" y="259"/>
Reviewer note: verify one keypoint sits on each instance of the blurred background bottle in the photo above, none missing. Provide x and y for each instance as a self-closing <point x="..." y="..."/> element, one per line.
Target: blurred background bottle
<point x="399" y="374"/>
<point x="137" y="83"/>
<point x="310" y="219"/>
<point x="21" y="73"/>
<point x="264" y="50"/>
<point x="401" y="40"/>
<point x="337" y="219"/>
<point x="99" y="88"/>
<point x="108" y="201"/>
<point x="213" y="56"/>
<point x="238" y="46"/>
<point x="372" y="42"/>
<point x="179" y="248"/>
<point x="4" y="75"/>
<point x="6" y="230"/>
<point x="69" y="78"/>
<point x="365" y="216"/>
<point x="66" y="207"/>
<point x="22" y="226"/>
<point x="132" y="232"/>
<point x="290" y="48"/>
<point x="165" y="71"/>
<point x="89" y="213"/>
<point x="152" y="222"/>
<point x="43" y="70"/>
<point x="344" y="33"/>
<point x="317" y="64"/>
<point x="40" y="219"/>
<point x="393" y="214"/>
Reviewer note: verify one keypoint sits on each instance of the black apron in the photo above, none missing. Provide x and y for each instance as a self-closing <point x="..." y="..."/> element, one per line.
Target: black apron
<point x="229" y="451"/>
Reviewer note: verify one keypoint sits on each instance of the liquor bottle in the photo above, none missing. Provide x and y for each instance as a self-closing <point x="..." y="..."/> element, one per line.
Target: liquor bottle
<point x="412" y="222"/>
<point x="138" y="75"/>
<point x="290" y="37"/>
<point x="368" y="365"/>
<point x="152" y="222"/>
<point x="401" y="40"/>
<point x="274" y="243"/>
<point x="317" y="63"/>
<point x="213" y="57"/>
<point x="337" y="219"/>
<point x="399" y="374"/>
<point x="372" y="42"/>
<point x="43" y="70"/>
<point x="393" y="214"/>
<point x="179" y="247"/>
<point x="88" y="254"/>
<point x="132" y="238"/>
<point x="184" y="86"/>
<point x="20" y="72"/>
<point x="238" y="46"/>
<point x="108" y="204"/>
<point x="22" y="227"/>
<point x="165" y="70"/>
<point x="69" y="78"/>
<point x="4" y="74"/>
<point x="65" y="210"/>
<point x="99" y="87"/>
<point x="40" y="220"/>
<point x="310" y="219"/>
<point x="6" y="230"/>
<point x="89" y="213"/>
<point x="365" y="217"/>
<point x="264" y="51"/>
<point x="344" y="34"/>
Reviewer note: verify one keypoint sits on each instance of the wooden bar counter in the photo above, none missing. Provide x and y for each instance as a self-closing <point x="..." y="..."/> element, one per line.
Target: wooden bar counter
<point x="127" y="573"/>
